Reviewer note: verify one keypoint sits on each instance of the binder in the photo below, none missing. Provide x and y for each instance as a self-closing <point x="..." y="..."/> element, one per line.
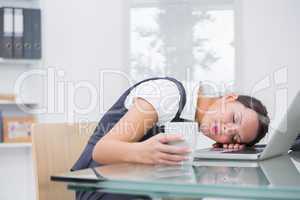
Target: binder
<point x="36" y="33"/>
<point x="6" y="32"/>
<point x="27" y="37"/>
<point x="1" y="30"/>
<point x="18" y="33"/>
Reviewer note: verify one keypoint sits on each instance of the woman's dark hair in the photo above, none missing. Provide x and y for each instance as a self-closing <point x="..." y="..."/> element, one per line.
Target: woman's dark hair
<point x="262" y="113"/>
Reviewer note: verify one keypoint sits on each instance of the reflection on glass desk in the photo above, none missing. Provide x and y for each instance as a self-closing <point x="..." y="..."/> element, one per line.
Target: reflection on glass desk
<point x="277" y="178"/>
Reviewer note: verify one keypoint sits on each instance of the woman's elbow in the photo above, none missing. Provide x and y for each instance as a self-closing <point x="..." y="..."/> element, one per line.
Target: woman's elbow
<point x="96" y="155"/>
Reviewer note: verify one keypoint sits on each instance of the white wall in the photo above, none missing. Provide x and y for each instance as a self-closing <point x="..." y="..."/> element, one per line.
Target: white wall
<point x="82" y="39"/>
<point x="268" y="40"/>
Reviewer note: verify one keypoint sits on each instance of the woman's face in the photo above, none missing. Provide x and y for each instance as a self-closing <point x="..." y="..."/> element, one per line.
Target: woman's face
<point x="228" y="122"/>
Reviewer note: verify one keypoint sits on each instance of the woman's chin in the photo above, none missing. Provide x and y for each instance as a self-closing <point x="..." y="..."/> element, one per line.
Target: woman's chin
<point x="204" y="130"/>
<point x="208" y="134"/>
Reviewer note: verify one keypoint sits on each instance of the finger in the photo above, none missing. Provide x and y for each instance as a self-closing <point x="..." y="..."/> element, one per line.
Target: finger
<point x="167" y="162"/>
<point x="165" y="138"/>
<point x="225" y="146"/>
<point x="173" y="149"/>
<point x="230" y="146"/>
<point x="236" y="146"/>
<point x="174" y="158"/>
<point x="242" y="146"/>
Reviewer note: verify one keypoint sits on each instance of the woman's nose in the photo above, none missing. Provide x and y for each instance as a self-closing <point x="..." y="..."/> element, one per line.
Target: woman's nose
<point x="229" y="129"/>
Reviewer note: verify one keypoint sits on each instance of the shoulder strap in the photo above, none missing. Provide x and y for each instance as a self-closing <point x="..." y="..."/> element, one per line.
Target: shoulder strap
<point x="180" y="87"/>
<point x="182" y="100"/>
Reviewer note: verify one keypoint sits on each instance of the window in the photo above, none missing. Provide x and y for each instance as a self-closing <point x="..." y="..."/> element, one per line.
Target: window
<point x="188" y="39"/>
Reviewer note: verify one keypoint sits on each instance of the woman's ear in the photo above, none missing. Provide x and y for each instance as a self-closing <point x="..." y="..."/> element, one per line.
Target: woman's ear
<point x="230" y="97"/>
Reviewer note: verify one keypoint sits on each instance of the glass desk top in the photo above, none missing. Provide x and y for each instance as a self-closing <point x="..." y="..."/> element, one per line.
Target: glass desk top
<point x="276" y="178"/>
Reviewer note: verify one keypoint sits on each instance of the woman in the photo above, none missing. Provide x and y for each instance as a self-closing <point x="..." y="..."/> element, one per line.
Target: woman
<point x="129" y="131"/>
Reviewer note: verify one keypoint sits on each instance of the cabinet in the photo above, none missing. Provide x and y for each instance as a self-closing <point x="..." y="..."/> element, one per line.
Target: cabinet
<point x="16" y="169"/>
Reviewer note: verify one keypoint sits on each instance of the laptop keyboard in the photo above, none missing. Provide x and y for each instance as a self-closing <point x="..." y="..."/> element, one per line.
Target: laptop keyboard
<point x="243" y="151"/>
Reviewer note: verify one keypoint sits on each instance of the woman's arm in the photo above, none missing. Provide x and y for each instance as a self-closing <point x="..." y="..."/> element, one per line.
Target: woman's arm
<point x="121" y="144"/>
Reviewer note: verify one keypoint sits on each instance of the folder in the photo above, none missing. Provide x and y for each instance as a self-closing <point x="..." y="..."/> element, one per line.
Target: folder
<point x="6" y="32"/>
<point x="27" y="37"/>
<point x="18" y="33"/>
<point x="36" y="33"/>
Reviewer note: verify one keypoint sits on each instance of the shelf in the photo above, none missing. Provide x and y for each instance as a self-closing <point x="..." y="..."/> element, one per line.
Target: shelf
<point x="15" y="145"/>
<point x="20" y="3"/>
<point x="5" y="61"/>
<point x="28" y="104"/>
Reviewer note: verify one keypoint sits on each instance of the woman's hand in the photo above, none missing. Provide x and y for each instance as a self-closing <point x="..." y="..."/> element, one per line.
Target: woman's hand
<point x="229" y="146"/>
<point x="156" y="150"/>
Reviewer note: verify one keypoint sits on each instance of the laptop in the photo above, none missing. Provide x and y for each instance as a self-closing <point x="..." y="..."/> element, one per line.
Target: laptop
<point x="248" y="172"/>
<point x="278" y="144"/>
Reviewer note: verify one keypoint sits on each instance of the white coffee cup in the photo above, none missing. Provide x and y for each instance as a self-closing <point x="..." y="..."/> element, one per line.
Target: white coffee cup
<point x="189" y="131"/>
